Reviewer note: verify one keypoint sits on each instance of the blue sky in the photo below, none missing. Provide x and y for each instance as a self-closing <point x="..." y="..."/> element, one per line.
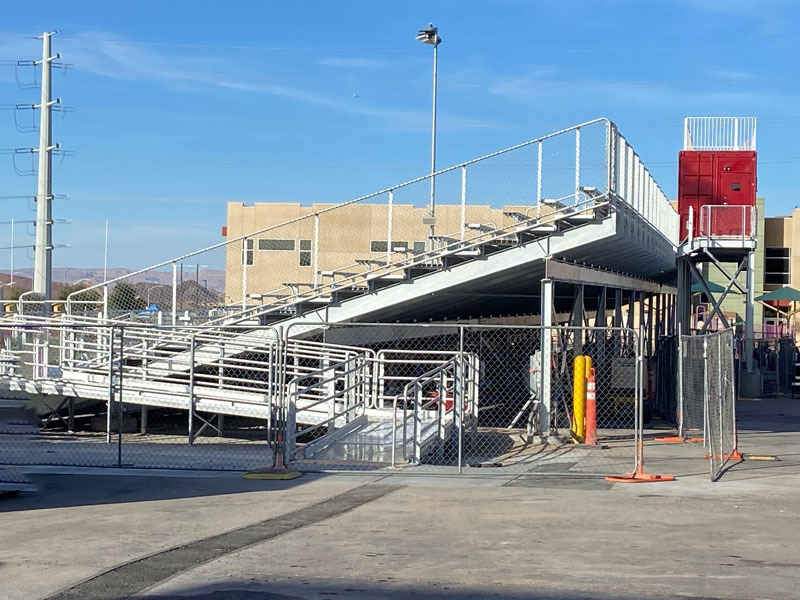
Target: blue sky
<point x="180" y="106"/>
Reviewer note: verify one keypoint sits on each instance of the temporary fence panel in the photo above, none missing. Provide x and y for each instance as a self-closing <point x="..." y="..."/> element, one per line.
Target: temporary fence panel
<point x="424" y="398"/>
<point x="722" y="442"/>
<point x="140" y="397"/>
<point x="707" y="396"/>
<point x="466" y="398"/>
<point x="693" y="392"/>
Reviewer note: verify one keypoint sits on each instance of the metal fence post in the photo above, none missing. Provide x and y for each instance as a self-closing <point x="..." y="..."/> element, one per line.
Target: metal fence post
<point x="110" y="404"/>
<point x="191" y="387"/>
<point x="545" y="401"/>
<point x="705" y="390"/>
<point x="681" y="427"/>
<point x="174" y="293"/>
<point x="721" y="399"/>
<point x="120" y="405"/>
<point x="459" y="395"/>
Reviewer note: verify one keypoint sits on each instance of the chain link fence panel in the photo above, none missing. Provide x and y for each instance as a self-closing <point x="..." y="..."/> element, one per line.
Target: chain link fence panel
<point x="722" y="442"/>
<point x="422" y="398"/>
<point x="464" y="398"/>
<point x="708" y="396"/>
<point x="140" y="397"/>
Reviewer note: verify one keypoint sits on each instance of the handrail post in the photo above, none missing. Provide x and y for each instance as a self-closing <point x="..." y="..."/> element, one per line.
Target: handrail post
<point x="577" y="162"/>
<point x="105" y="302"/>
<point x="463" y="202"/>
<point x="539" y="181"/>
<point x="389" y="228"/>
<point x="174" y="293"/>
<point x="315" y="249"/>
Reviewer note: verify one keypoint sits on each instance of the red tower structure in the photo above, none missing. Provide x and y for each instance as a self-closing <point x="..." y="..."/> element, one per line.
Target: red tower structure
<point x="717" y="169"/>
<point x="718" y="220"/>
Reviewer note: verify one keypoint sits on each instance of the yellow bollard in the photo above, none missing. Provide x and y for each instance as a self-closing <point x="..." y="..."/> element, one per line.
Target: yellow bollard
<point x="579" y="398"/>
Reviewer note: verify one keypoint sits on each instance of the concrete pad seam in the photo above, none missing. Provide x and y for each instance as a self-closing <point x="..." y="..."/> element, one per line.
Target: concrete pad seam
<point x="117" y="582"/>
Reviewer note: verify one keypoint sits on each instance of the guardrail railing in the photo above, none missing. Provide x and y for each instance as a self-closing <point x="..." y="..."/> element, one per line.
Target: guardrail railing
<point x="726" y="221"/>
<point x="719" y="133"/>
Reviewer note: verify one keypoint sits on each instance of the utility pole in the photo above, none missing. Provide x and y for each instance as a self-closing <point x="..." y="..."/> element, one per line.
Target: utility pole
<point x="43" y="249"/>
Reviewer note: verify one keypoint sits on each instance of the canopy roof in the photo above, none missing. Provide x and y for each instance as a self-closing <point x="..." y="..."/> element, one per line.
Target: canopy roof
<point x="713" y="287"/>
<point x="784" y="293"/>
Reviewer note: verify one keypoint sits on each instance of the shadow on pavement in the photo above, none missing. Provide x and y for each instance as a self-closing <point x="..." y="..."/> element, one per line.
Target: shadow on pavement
<point x="363" y="590"/>
<point x="58" y="491"/>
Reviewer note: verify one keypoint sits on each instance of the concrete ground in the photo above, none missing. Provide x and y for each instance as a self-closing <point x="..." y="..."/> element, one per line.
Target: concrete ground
<point x="99" y="534"/>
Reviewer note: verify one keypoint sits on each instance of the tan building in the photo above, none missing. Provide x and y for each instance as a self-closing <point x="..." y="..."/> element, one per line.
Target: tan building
<point x="305" y="250"/>
<point x="781" y="261"/>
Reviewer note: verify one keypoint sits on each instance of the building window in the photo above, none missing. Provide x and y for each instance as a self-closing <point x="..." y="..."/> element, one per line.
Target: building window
<point x="777" y="266"/>
<point x="383" y="246"/>
<point x="305" y="253"/>
<point x="268" y="244"/>
<point x="247" y="251"/>
<point x="419" y="247"/>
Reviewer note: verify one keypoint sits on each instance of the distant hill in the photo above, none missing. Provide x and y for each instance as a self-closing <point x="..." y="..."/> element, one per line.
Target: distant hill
<point x="209" y="279"/>
<point x="189" y="295"/>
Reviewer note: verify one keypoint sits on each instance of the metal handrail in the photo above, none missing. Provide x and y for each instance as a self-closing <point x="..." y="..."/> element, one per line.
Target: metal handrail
<point x="349" y="202"/>
<point x="409" y="262"/>
<point x="416" y="385"/>
<point x="749" y="231"/>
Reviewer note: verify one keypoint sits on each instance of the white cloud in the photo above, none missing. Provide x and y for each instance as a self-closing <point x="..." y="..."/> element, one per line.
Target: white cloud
<point x="105" y="55"/>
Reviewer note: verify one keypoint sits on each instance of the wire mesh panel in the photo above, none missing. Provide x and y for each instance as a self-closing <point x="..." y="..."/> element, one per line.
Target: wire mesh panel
<point x="143" y="397"/>
<point x="721" y="401"/>
<point x="442" y="398"/>
<point x="692" y="405"/>
<point x="468" y="398"/>
<point x="708" y="396"/>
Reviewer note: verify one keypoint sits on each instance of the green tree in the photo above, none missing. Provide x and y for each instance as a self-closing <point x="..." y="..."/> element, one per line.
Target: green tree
<point x="87" y="302"/>
<point x="13" y="293"/>
<point x="68" y="289"/>
<point x="125" y="297"/>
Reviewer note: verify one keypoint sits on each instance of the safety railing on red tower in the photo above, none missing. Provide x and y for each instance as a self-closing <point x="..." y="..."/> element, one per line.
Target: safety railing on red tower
<point x="725" y="221"/>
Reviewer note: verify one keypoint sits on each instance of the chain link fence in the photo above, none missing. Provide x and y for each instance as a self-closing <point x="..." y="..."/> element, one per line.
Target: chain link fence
<point x="422" y="398"/>
<point x="707" y="396"/>
<point x="138" y="397"/>
<point x="468" y="398"/>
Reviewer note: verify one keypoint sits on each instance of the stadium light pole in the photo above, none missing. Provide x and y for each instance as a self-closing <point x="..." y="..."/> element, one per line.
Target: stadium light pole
<point x="430" y="36"/>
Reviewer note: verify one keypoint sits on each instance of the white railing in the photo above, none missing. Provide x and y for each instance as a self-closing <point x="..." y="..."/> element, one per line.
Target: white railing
<point x="571" y="169"/>
<point x="729" y="222"/>
<point x="444" y="396"/>
<point x="719" y="133"/>
<point x="552" y="166"/>
<point x="635" y="185"/>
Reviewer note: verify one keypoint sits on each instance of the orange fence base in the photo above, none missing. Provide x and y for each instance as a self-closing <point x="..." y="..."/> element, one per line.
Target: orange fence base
<point x="639" y="476"/>
<point x="669" y="439"/>
<point x="735" y="455"/>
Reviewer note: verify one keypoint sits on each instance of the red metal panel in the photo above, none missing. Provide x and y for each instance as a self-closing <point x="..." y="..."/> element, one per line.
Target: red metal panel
<point x="714" y="177"/>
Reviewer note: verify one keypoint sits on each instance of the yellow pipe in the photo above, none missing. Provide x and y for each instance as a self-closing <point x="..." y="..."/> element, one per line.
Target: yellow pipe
<point x="579" y="398"/>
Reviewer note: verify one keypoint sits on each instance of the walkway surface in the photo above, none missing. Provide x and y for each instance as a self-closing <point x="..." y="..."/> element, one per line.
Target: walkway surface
<point x="97" y="534"/>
